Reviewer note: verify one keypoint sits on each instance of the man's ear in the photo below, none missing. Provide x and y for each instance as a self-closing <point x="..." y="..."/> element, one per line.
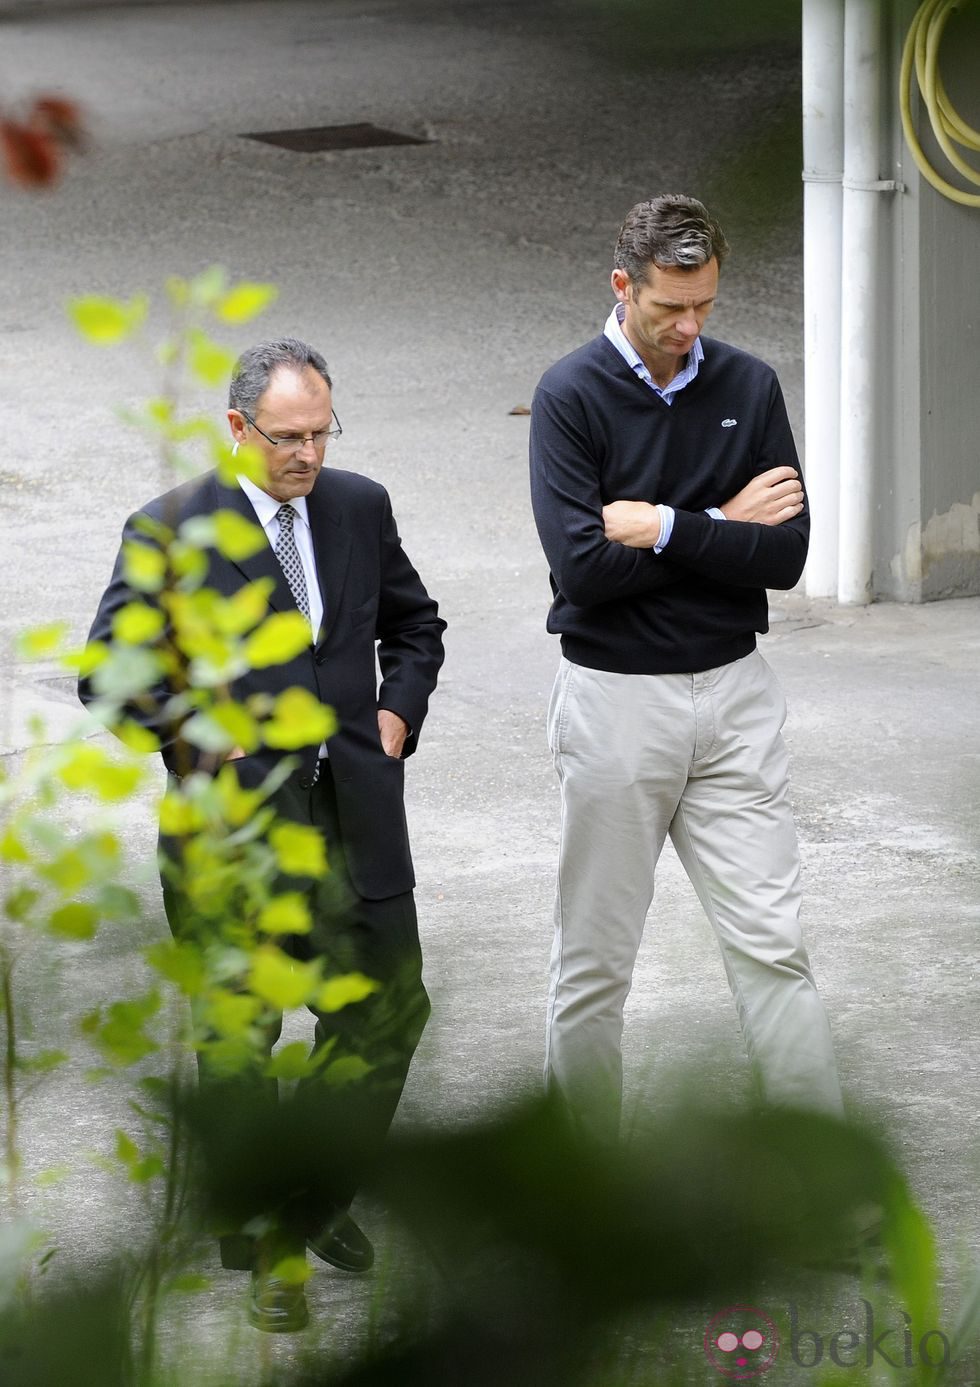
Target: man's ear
<point x="238" y="426"/>
<point x="620" y="282"/>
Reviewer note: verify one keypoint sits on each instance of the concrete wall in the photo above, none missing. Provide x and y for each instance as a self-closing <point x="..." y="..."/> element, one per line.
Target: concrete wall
<point x="927" y="540"/>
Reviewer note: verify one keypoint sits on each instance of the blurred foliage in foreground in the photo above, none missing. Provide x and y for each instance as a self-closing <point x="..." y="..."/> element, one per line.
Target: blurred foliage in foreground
<point x="527" y="1255"/>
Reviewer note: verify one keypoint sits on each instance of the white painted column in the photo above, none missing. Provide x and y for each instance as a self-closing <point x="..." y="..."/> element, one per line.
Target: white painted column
<point x="823" y="162"/>
<point x="862" y="190"/>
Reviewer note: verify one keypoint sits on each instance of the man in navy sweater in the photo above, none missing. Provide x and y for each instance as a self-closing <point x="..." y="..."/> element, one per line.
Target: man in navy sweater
<point x="667" y="495"/>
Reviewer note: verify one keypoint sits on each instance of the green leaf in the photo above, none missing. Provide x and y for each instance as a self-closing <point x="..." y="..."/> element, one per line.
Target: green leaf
<point x="235" y="615"/>
<point x="136" y="622"/>
<point x="299" y="719"/>
<point x="189" y="1283"/>
<point x="221" y="728"/>
<point x="245" y="301"/>
<point x="103" y="321"/>
<point x="146" y="1169"/>
<point x="44" y="1062"/>
<point x="190" y="565"/>
<point x="246" y="462"/>
<point x="286" y="914"/>
<point x="120" y="1035"/>
<point x="206" y="734"/>
<point x="69" y="872"/>
<point x="280" y="980"/>
<point x="42" y="641"/>
<point x="210" y="363"/>
<point x="911" y="1247"/>
<point x="144" y="566"/>
<point x="11" y="848"/>
<point x="237" y="805"/>
<point x="160" y="410"/>
<point x="48" y="1179"/>
<point x="162" y="1119"/>
<point x="181" y="963"/>
<point x="74" y="921"/>
<point x="138" y="738"/>
<point x="126" y="1149"/>
<point x="48" y="836"/>
<point x="337" y="993"/>
<point x="101" y="851"/>
<point x="19" y="904"/>
<point x="197" y="531"/>
<point x="178" y="290"/>
<point x="349" y="1069"/>
<point x="209" y="285"/>
<point x="231" y="1013"/>
<point x="290" y="1062"/>
<point x="238" y="723"/>
<point x="84" y="661"/>
<point x="237" y="538"/>
<point x="178" y="815"/>
<point x="279" y="639"/>
<point x="295" y="1270"/>
<point x="88" y="767"/>
<point x="117" y="902"/>
<point x="127" y="672"/>
<point x="299" y="849"/>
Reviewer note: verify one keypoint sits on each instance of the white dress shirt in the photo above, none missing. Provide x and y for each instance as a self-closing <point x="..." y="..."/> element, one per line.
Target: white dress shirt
<point x="266" y="508"/>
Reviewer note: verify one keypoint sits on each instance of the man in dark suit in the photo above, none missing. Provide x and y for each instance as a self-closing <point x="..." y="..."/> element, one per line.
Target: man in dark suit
<point x="334" y="554"/>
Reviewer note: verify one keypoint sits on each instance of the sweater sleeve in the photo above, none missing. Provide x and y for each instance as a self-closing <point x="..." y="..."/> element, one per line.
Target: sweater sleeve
<point x="566" y="498"/>
<point x="743" y="553"/>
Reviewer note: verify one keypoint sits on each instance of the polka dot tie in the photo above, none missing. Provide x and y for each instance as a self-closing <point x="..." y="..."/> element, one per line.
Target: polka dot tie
<point x="289" y="560"/>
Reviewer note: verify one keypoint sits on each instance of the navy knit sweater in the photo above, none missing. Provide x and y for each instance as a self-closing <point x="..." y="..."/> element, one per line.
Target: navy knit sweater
<point x="600" y="434"/>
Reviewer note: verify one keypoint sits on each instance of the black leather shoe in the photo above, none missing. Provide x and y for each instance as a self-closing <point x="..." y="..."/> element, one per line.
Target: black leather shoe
<point x="276" y="1306"/>
<point x="341" y="1243"/>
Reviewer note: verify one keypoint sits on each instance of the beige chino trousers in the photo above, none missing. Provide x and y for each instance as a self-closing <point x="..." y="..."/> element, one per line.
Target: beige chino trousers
<point x="701" y="757"/>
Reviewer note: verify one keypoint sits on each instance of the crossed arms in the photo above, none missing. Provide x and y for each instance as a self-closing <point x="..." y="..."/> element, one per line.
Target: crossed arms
<point x="769" y="499"/>
<point x="601" y="551"/>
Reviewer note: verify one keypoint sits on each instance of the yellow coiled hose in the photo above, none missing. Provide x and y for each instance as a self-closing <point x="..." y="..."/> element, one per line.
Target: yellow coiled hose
<point x="922" y="49"/>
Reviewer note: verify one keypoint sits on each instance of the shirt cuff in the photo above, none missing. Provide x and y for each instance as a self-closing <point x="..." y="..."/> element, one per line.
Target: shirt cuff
<point x="666" y="527"/>
<point x="715" y="513"/>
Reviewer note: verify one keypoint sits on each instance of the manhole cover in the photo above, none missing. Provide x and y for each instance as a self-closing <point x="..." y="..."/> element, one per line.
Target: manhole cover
<point x="321" y="137"/>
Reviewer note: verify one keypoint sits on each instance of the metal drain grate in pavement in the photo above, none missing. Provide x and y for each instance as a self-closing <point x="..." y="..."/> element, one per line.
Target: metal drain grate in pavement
<point x="327" y="137"/>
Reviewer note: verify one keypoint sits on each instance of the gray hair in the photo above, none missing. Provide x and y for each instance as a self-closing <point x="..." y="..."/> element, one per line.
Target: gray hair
<point x="670" y="231"/>
<point x="255" y="367"/>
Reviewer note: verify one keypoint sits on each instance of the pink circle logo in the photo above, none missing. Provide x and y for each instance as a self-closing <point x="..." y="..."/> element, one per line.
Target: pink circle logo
<point x="741" y="1342"/>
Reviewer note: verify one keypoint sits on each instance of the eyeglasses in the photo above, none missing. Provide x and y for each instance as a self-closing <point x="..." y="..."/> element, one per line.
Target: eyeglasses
<point x="293" y="445"/>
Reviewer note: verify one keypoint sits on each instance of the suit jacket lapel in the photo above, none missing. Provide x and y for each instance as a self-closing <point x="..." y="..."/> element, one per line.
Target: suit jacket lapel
<point x="331" y="549"/>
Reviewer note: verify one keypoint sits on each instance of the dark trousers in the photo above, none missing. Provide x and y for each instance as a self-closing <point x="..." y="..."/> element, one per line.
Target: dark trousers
<point x="371" y="1042"/>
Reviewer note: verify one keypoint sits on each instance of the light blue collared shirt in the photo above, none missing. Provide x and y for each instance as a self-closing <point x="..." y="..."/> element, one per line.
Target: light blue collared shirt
<point x="614" y="331"/>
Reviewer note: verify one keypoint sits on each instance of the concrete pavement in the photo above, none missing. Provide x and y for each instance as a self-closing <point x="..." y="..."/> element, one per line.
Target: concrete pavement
<point x="440" y="279"/>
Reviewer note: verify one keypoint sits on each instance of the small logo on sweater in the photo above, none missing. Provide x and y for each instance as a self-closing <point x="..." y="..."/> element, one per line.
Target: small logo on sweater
<point x="728" y="423"/>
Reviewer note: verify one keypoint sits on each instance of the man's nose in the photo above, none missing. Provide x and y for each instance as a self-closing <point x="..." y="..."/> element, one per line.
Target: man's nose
<point x="306" y="447"/>
<point x="687" y="323"/>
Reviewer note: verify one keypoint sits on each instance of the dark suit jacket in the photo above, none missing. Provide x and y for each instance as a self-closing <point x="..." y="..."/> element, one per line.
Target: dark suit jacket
<point x="371" y="593"/>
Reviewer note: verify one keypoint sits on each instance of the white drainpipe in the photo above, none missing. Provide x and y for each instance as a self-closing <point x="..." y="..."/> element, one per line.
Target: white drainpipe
<point x="862" y="188"/>
<point x="823" y="162"/>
